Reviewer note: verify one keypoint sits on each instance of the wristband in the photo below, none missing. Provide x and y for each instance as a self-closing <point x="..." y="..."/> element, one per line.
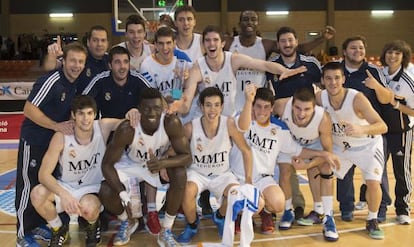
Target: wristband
<point x="124" y="197"/>
<point x="397" y="105"/>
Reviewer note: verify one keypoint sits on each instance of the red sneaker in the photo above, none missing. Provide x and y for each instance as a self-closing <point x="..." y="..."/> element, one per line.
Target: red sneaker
<point x="268" y="227"/>
<point x="153" y="223"/>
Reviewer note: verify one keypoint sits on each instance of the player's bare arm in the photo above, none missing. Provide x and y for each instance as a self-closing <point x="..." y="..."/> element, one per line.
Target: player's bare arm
<point x="179" y="143"/>
<point x="364" y="110"/>
<point x="46" y="178"/>
<point x="122" y="138"/>
<point x="239" y="140"/>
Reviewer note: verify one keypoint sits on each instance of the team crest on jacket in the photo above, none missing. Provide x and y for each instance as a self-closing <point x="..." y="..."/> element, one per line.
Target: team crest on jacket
<point x="63" y="97"/>
<point x="72" y="154"/>
<point x="88" y="72"/>
<point x="108" y="96"/>
<point x="273" y="131"/>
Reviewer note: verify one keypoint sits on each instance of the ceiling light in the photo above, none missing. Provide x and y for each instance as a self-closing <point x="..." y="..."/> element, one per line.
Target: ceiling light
<point x="277" y="12"/>
<point x="382" y="12"/>
<point x="60" y="15"/>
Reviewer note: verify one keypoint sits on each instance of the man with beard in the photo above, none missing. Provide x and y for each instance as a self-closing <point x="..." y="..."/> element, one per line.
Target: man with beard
<point x="116" y="91"/>
<point x="291" y="58"/>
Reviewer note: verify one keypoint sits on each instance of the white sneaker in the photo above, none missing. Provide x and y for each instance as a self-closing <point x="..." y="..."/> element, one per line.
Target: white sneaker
<point x="125" y="231"/>
<point x="360" y="205"/>
<point x="403" y="219"/>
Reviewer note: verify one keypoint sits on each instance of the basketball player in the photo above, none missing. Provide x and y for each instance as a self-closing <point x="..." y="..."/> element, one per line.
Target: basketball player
<point x="79" y="157"/>
<point x="357" y="130"/>
<point x="310" y="126"/>
<point x="135" y="43"/>
<point x="144" y="159"/>
<point x="211" y="137"/>
<point x="218" y="68"/>
<point x="269" y="138"/>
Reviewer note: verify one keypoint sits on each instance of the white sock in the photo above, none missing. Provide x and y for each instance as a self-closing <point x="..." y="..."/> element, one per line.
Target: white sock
<point x="318" y="207"/>
<point x="55" y="223"/>
<point x="288" y="204"/>
<point x="372" y="215"/>
<point x="152" y="207"/>
<point x="168" y="221"/>
<point x="327" y="202"/>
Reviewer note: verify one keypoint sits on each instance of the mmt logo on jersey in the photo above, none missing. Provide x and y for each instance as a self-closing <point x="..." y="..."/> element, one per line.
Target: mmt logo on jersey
<point x="144" y="156"/>
<point x="263" y="144"/>
<point x="82" y="166"/>
<point x="210" y="158"/>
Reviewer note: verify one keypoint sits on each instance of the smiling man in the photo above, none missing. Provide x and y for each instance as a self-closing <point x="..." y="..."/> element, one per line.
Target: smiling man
<point x="218" y="68"/>
<point x="116" y="91"/>
<point x="79" y="157"/>
<point x="135" y="42"/>
<point x="46" y="110"/>
<point x="145" y="159"/>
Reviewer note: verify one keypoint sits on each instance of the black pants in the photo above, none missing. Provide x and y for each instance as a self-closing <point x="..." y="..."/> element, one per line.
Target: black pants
<point x="400" y="148"/>
<point x="28" y="164"/>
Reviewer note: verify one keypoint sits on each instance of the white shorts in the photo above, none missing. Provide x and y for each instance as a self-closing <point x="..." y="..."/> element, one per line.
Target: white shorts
<point x="127" y="169"/>
<point x="368" y="158"/>
<point x="263" y="182"/>
<point x="287" y="158"/>
<point x="215" y="184"/>
<point x="78" y="193"/>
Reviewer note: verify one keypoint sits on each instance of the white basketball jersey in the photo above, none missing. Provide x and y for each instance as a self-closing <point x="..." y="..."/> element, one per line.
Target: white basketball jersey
<point x="247" y="76"/>
<point x="194" y="51"/>
<point x="345" y="113"/>
<point x="158" y="142"/>
<point x="266" y="144"/>
<point x="303" y="135"/>
<point x="159" y="75"/>
<point x="80" y="165"/>
<point x="210" y="156"/>
<point x="223" y="80"/>
<point x="135" y="62"/>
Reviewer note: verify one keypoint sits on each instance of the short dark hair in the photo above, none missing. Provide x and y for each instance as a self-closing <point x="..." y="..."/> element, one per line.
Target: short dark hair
<point x="397" y="45"/>
<point x="74" y="46"/>
<point x="209" y="92"/>
<point x="134" y="19"/>
<point x="149" y="93"/>
<point x="333" y="66"/>
<point x="284" y="30"/>
<point x="354" y="38"/>
<point x="164" y="32"/>
<point x="184" y="8"/>
<point x="213" y="29"/>
<point x="304" y="94"/>
<point x="83" y="101"/>
<point x="264" y="94"/>
<point x="96" y="28"/>
<point x="244" y="11"/>
<point x="118" y="50"/>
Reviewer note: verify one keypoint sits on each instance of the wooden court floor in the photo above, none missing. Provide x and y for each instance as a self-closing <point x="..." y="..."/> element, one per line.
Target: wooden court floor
<point x="351" y="233"/>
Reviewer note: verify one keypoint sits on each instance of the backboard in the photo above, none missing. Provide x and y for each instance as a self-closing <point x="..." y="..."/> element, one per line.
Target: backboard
<point x="149" y="10"/>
